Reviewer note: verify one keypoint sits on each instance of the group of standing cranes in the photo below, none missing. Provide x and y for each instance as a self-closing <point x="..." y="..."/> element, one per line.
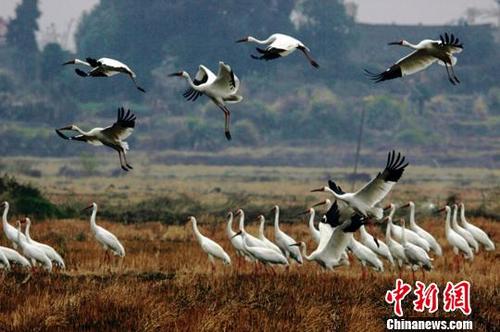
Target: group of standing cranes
<point x="224" y="87"/>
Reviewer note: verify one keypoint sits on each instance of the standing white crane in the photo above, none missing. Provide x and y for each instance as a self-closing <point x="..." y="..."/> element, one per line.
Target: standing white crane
<point x="262" y="236"/>
<point x="14" y="257"/>
<point x="315" y="233"/>
<point x="396" y="249"/>
<point x="251" y="240"/>
<point x="221" y="89"/>
<point x="375" y="245"/>
<point x="433" y="244"/>
<point x="285" y="241"/>
<point x="411" y="236"/>
<point x="210" y="247"/>
<point x="279" y="45"/>
<point x="263" y="254"/>
<point x="104" y="67"/>
<point x="365" y="256"/>
<point x="105" y="238"/>
<point x="425" y="54"/>
<point x="458" y="243"/>
<point x="9" y="230"/>
<point x="32" y="252"/>
<point x="48" y="250"/>
<point x="463" y="232"/>
<point x="364" y="200"/>
<point x="415" y="255"/>
<point x="112" y="136"/>
<point x="477" y="232"/>
<point x="237" y="242"/>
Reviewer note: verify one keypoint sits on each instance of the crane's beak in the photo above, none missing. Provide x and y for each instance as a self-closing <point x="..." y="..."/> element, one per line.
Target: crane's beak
<point x="386" y="219"/>
<point x="317" y="190"/>
<point x="395" y="43"/>
<point x="70" y="62"/>
<point x="242" y="40"/>
<point x="405" y="206"/>
<point x="237" y="213"/>
<point x="387" y="207"/>
<point x="294" y="244"/>
<point x="179" y="73"/>
<point x="235" y="235"/>
<point x="320" y="203"/>
<point x="87" y="208"/>
<point x="302" y="213"/>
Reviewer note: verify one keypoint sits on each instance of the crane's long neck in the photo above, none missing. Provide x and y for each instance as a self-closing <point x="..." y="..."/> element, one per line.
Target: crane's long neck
<point x="261" y="229"/>
<point x="454" y="220"/>
<point x="403" y="233"/>
<point x="462" y="215"/>
<point x="4" y="216"/>
<point x="412" y="216"/>
<point x="78" y="129"/>
<point x="189" y="79"/>
<point x="392" y="211"/>
<point x="81" y="62"/>
<point x="19" y="241"/>
<point x="337" y="196"/>
<point x="93" y="225"/>
<point x="447" y="222"/>
<point x="388" y="230"/>
<point x="303" y="246"/>
<point x="311" y="222"/>
<point x="242" y="222"/>
<point x="363" y="232"/>
<point x="277" y="220"/>
<point x="196" y="231"/>
<point x="410" y="45"/>
<point x="261" y="42"/>
<point x="27" y="230"/>
<point x="229" y="227"/>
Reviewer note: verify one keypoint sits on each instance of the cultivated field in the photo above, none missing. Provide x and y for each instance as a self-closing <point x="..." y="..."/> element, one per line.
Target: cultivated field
<point x="165" y="281"/>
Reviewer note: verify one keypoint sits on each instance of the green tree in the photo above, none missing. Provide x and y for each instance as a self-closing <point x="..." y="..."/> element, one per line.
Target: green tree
<point x="21" y="36"/>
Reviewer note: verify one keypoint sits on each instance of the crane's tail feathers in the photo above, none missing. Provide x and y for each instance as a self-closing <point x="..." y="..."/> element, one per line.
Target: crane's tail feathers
<point x="81" y="73"/>
<point x="125" y="146"/>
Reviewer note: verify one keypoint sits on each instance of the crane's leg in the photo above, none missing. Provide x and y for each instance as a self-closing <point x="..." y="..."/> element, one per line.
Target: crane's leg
<point x="125" y="160"/>
<point x="448" y="73"/>
<point x="453" y="73"/>
<point x="227" y="120"/>
<point x="121" y="162"/>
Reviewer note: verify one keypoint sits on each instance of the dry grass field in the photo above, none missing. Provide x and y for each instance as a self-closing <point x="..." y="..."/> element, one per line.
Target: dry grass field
<point x="165" y="282"/>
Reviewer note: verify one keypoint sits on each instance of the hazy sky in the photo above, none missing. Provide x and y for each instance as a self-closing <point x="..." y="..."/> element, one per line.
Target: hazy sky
<point x="62" y="12"/>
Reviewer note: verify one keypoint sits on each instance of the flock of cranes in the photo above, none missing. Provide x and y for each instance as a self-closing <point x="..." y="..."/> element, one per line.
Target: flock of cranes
<point x="223" y="88"/>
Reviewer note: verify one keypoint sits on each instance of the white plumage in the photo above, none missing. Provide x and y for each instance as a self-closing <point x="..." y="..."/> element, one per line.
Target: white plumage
<point x="433" y="244"/>
<point x="9" y="230"/>
<point x="463" y="232"/>
<point x="477" y="232"/>
<point x="415" y="255"/>
<point x="262" y="236"/>
<point x="210" y="247"/>
<point x="236" y="241"/>
<point x="262" y="254"/>
<point x="48" y="250"/>
<point x="112" y="136"/>
<point x="105" y="238"/>
<point x="279" y="45"/>
<point x="378" y="247"/>
<point x="221" y="89"/>
<point x="14" y="257"/>
<point x="425" y="54"/>
<point x="396" y="249"/>
<point x="458" y="243"/>
<point x="104" y="67"/>
<point x="365" y="255"/>
<point x="32" y="252"/>
<point x="285" y="241"/>
<point x="411" y="236"/>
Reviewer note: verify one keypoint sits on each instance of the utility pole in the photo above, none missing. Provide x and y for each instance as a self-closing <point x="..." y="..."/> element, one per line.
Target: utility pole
<point x="358" y="147"/>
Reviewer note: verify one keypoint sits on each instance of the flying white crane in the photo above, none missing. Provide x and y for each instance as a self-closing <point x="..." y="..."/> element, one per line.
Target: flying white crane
<point x="330" y="252"/>
<point x="262" y="236"/>
<point x="32" y="252"/>
<point x="477" y="232"/>
<point x="221" y="89"/>
<point x="425" y="54"/>
<point x="375" y="245"/>
<point x="210" y="247"/>
<point x="396" y="249"/>
<point x="112" y="136"/>
<point x="4" y="262"/>
<point x="9" y="230"/>
<point x="284" y="241"/>
<point x="14" y="257"/>
<point x="365" y="256"/>
<point x="263" y="254"/>
<point x="104" y="67"/>
<point x="415" y="255"/>
<point x="411" y="236"/>
<point x="105" y="238"/>
<point x="48" y="250"/>
<point x="237" y="241"/>
<point x="458" y="243"/>
<point x="462" y="231"/>
<point x="364" y="200"/>
<point x="279" y="45"/>
<point x="433" y="244"/>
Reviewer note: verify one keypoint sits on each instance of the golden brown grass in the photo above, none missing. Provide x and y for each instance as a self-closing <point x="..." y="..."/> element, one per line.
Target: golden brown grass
<point x="165" y="283"/>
